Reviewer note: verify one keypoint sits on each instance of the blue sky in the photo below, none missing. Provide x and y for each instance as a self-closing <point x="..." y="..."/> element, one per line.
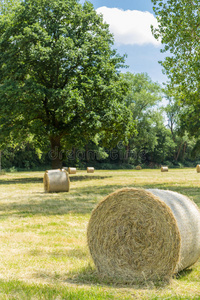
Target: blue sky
<point x="130" y="21"/>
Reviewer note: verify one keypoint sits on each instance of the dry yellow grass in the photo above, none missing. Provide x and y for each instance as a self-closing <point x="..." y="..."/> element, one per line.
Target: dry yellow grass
<point x="43" y="236"/>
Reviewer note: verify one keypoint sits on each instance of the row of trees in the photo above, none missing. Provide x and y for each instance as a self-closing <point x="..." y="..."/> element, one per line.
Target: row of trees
<point x="61" y="86"/>
<point x="157" y="137"/>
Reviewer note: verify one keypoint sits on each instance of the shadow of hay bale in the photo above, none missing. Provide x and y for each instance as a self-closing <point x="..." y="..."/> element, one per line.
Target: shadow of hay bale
<point x="89" y="275"/>
<point x="184" y="273"/>
<point x="22" y="180"/>
<point x="87" y="177"/>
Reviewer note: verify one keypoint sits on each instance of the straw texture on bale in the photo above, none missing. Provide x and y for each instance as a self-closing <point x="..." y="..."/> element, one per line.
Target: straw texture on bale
<point x="164" y="169"/>
<point x="72" y="170"/>
<point x="136" y="235"/>
<point x="90" y="170"/>
<point x="138" y="168"/>
<point x="56" y="181"/>
<point x="198" y="168"/>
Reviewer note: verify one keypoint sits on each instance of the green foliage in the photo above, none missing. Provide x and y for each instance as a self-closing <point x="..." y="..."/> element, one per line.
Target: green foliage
<point x="143" y="99"/>
<point x="59" y="75"/>
<point x="185" y="145"/>
<point x="23" y="157"/>
<point x="179" y="32"/>
<point x="143" y="93"/>
<point x="8" y="6"/>
<point x="153" y="144"/>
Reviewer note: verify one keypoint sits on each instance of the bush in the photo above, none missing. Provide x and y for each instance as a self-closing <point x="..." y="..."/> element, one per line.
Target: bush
<point x="12" y="170"/>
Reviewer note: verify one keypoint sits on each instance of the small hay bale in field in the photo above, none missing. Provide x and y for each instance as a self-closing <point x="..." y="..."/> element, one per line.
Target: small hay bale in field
<point x="56" y="181"/>
<point x="65" y="169"/>
<point x="164" y="169"/>
<point x="72" y="170"/>
<point x="198" y="168"/>
<point x="136" y="235"/>
<point x="138" y="168"/>
<point x="53" y="171"/>
<point x="90" y="170"/>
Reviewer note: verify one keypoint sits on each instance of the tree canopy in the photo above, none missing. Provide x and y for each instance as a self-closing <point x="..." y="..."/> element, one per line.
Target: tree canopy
<point x="143" y="98"/>
<point x="59" y="75"/>
<point x="8" y="6"/>
<point x="179" y="31"/>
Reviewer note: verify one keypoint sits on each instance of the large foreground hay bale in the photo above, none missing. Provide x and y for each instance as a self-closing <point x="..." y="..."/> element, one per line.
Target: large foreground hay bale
<point x="72" y="170"/>
<point x="56" y="181"/>
<point x="198" y="168"/>
<point x="136" y="235"/>
<point x="164" y="169"/>
<point x="90" y="170"/>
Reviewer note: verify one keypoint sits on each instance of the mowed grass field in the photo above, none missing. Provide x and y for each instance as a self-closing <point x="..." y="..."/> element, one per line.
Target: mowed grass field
<point x="43" y="246"/>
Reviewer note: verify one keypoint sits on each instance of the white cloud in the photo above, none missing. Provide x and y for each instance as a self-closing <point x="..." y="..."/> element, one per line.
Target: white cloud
<point x="130" y="26"/>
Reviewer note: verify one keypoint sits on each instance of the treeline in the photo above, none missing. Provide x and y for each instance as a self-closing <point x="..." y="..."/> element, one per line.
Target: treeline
<point x="158" y="137"/>
<point x="64" y="100"/>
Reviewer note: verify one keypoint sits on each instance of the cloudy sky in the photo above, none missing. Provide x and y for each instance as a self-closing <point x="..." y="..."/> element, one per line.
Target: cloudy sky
<point x="130" y="22"/>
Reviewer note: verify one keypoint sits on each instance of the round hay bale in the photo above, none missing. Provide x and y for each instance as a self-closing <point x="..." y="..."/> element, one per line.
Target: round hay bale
<point x="53" y="171"/>
<point x="65" y="169"/>
<point x="138" y="235"/>
<point x="56" y="181"/>
<point x="72" y="170"/>
<point x="164" y="169"/>
<point x="198" y="168"/>
<point x="138" y="168"/>
<point x="90" y="170"/>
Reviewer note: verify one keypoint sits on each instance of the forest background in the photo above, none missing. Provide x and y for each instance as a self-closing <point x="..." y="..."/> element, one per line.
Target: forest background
<point x="159" y="131"/>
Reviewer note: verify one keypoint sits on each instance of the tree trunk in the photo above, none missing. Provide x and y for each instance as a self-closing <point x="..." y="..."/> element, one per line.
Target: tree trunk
<point x="179" y="150"/>
<point x="56" y="153"/>
<point x="184" y="150"/>
<point x="86" y="154"/>
<point x="126" y="156"/>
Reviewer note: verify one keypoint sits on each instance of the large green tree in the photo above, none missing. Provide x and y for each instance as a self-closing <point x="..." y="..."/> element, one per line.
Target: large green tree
<point x="179" y="31"/>
<point x="59" y="76"/>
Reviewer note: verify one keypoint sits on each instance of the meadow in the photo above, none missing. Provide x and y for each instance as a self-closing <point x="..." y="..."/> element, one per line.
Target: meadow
<point x="43" y="246"/>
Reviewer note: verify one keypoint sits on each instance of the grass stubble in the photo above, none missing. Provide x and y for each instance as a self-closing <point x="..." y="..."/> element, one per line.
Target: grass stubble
<point x="43" y="247"/>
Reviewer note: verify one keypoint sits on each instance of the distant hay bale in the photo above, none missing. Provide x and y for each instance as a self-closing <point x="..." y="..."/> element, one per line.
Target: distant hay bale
<point x="72" y="170"/>
<point x="136" y="235"/>
<point x="56" y="181"/>
<point x="138" y="168"/>
<point x="198" y="168"/>
<point x="53" y="171"/>
<point x="164" y="169"/>
<point x="65" y="169"/>
<point x="90" y="170"/>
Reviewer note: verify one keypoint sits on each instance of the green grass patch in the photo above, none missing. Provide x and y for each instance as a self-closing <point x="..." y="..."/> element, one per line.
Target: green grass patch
<point x="14" y="289"/>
